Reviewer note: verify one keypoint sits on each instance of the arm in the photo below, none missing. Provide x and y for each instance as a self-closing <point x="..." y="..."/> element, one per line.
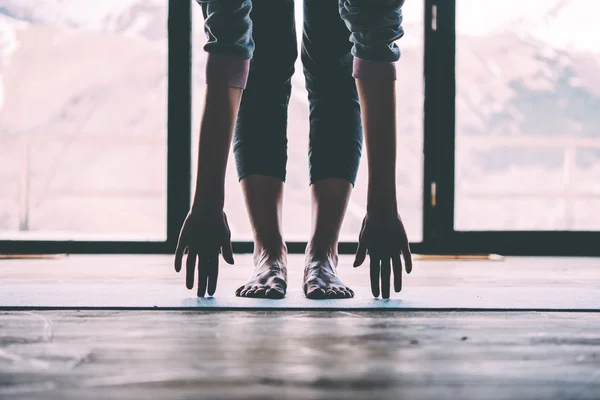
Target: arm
<point x="205" y="232"/>
<point x="375" y="25"/>
<point x="230" y="46"/>
<point x="216" y="131"/>
<point x="378" y="104"/>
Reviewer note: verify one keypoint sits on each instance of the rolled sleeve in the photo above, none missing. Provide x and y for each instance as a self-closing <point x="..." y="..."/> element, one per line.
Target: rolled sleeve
<point x="228" y="26"/>
<point x="375" y="26"/>
<point x="230" y="46"/>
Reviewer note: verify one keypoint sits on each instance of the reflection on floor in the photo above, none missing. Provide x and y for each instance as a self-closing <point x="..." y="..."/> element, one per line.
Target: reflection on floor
<point x="342" y="354"/>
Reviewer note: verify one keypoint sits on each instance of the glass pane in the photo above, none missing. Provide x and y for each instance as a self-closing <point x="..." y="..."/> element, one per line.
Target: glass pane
<point x="527" y="128"/>
<point x="83" y="103"/>
<point x="296" y="206"/>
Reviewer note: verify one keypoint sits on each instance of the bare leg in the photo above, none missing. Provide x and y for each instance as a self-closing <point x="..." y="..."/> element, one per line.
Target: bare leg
<point x="264" y="196"/>
<point x="329" y="201"/>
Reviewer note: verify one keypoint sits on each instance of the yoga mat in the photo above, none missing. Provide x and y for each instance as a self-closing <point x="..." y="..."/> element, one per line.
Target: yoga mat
<point x="171" y="296"/>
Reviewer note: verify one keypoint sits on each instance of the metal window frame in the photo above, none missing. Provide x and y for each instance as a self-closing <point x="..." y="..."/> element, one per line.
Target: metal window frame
<point x="179" y="139"/>
<point x="439" y="136"/>
<point x="445" y="238"/>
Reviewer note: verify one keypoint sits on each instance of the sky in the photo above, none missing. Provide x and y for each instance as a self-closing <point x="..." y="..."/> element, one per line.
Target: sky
<point x="574" y="26"/>
<point x="566" y="24"/>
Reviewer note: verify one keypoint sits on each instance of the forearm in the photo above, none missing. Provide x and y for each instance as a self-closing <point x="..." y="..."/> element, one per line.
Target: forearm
<point x="377" y="98"/>
<point x="375" y="25"/>
<point x="216" y="131"/>
<point x="230" y="47"/>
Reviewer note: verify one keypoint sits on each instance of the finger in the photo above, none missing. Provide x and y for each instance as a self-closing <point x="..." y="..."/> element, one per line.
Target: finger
<point x="227" y="248"/>
<point x="191" y="266"/>
<point x="213" y="275"/>
<point x="227" y="252"/>
<point x="361" y="251"/>
<point x="397" y="264"/>
<point x="385" y="278"/>
<point x="361" y="254"/>
<point x="179" y="257"/>
<point x="203" y="267"/>
<point x="374" y="275"/>
<point x="407" y="258"/>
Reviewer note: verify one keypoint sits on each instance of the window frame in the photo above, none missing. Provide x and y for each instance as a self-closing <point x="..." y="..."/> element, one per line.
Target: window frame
<point x="444" y="238"/>
<point x="179" y="106"/>
<point x="439" y="139"/>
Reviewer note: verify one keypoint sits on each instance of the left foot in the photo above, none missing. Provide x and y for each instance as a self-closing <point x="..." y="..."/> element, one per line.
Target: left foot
<point x="321" y="280"/>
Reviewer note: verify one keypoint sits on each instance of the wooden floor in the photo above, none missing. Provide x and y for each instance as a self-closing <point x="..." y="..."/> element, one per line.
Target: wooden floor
<point x="301" y="355"/>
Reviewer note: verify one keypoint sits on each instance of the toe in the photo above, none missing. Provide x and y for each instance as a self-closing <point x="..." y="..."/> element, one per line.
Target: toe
<point x="275" y="293"/>
<point x="260" y="291"/>
<point x="349" y="293"/>
<point x="315" y="293"/>
<point x="245" y="290"/>
<point x="332" y="292"/>
<point x="239" y="290"/>
<point x="251" y="291"/>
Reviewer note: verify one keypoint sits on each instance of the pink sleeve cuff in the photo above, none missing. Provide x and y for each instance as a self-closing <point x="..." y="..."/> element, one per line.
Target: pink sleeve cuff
<point x="371" y="70"/>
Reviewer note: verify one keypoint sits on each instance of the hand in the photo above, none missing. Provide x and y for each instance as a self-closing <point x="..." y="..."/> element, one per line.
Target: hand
<point x="202" y="237"/>
<point x="384" y="237"/>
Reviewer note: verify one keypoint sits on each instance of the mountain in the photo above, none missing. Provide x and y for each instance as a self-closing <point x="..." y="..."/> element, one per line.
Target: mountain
<point x="83" y="93"/>
<point x="127" y="17"/>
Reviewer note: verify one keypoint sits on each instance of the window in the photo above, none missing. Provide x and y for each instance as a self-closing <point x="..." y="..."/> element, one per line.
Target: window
<point x="528" y="131"/>
<point x="83" y="111"/>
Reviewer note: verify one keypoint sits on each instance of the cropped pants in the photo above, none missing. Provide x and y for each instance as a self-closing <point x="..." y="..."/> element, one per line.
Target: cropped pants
<point x="252" y="45"/>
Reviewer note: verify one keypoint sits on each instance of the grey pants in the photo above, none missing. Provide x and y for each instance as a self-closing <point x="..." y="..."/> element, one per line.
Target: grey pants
<point x="252" y="44"/>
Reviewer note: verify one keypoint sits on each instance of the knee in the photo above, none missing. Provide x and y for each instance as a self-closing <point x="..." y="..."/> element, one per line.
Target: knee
<point x="273" y="65"/>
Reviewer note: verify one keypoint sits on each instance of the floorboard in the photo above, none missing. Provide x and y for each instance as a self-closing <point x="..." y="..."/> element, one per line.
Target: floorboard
<point x="299" y="355"/>
<point x="309" y="354"/>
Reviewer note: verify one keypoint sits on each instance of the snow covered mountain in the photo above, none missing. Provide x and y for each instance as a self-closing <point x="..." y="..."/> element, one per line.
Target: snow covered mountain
<point x="74" y="72"/>
<point x="129" y="17"/>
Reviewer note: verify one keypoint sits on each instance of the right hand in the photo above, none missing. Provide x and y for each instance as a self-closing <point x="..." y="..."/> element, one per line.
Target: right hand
<point x="203" y="236"/>
<point x="384" y="238"/>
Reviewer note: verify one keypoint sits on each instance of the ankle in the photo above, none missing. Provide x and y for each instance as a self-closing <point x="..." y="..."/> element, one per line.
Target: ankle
<point x="271" y="251"/>
<point x="321" y="251"/>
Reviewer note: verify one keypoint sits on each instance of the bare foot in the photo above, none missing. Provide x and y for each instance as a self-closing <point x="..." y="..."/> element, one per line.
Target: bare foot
<point x="269" y="280"/>
<point x="321" y="280"/>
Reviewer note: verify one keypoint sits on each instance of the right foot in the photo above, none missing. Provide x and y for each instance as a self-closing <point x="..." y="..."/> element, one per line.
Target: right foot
<point x="320" y="277"/>
<point x="269" y="280"/>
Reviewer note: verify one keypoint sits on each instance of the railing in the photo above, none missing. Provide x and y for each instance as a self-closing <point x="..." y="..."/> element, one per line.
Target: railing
<point x="569" y="145"/>
<point x="24" y="144"/>
<point x="565" y="187"/>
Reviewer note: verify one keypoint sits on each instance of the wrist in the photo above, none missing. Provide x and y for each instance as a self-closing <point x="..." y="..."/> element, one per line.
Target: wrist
<point x="208" y="204"/>
<point x="382" y="201"/>
<point x="379" y="211"/>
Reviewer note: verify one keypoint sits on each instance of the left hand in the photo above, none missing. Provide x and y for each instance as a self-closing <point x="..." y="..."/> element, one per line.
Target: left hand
<point x="385" y="239"/>
<point x="203" y="236"/>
